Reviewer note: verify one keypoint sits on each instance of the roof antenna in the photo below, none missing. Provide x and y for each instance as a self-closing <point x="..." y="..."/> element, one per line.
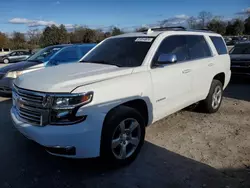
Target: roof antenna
<point x="149" y="31"/>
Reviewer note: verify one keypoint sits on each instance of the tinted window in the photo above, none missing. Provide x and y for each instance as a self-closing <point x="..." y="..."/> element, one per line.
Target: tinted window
<point x="67" y="54"/>
<point x="122" y="52"/>
<point x="20" y="53"/>
<point x="219" y="45"/>
<point x="241" y="49"/>
<point x="6" y="50"/>
<point x="173" y="45"/>
<point x="85" y="49"/>
<point x="13" y="53"/>
<point x="198" y="47"/>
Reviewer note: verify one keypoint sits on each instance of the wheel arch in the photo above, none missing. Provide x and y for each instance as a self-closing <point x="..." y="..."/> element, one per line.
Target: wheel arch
<point x="141" y="105"/>
<point x="221" y="77"/>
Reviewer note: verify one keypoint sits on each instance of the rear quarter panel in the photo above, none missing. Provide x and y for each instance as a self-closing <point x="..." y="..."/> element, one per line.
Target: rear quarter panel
<point x="222" y="62"/>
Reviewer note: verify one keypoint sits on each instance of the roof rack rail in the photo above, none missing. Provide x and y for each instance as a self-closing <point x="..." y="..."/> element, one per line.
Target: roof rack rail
<point x="175" y="28"/>
<point x="165" y="28"/>
<point x="204" y="29"/>
<point x="168" y="28"/>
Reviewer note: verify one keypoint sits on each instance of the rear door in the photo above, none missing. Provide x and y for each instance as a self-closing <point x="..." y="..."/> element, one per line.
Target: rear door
<point x="201" y="62"/>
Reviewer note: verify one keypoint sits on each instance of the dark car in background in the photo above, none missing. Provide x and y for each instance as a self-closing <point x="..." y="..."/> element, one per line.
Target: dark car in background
<point x="49" y="56"/>
<point x="240" y="59"/>
<point x="15" y="56"/>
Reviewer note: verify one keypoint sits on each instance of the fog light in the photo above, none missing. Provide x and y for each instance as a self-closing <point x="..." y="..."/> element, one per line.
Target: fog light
<point x="62" y="114"/>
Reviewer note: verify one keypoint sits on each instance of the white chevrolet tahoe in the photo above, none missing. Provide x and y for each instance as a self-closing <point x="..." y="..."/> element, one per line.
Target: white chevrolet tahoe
<point x="101" y="107"/>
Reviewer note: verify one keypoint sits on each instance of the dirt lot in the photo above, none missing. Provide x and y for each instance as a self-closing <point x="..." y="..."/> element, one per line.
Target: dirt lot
<point x="187" y="149"/>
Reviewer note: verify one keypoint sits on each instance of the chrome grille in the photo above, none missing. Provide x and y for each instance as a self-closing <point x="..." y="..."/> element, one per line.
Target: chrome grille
<point x="30" y="96"/>
<point x="30" y="106"/>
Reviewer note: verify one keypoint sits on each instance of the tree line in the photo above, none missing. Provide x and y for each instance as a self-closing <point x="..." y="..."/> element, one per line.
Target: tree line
<point x="233" y="27"/>
<point x="53" y="34"/>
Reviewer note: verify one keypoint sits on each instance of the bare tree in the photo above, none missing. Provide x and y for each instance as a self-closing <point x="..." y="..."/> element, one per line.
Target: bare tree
<point x="192" y="22"/>
<point x="204" y="18"/>
<point x="33" y="36"/>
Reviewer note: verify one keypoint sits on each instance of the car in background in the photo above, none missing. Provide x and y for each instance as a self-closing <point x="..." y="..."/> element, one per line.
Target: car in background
<point x="4" y="51"/>
<point x="15" y="56"/>
<point x="240" y="59"/>
<point x="47" y="57"/>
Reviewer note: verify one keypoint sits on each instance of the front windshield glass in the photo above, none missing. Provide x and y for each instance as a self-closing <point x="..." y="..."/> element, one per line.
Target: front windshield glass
<point x="241" y="49"/>
<point x="121" y="52"/>
<point x="45" y="54"/>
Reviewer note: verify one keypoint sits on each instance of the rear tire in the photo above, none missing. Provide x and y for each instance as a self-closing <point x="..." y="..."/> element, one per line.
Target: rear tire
<point x="123" y="131"/>
<point x="6" y="61"/>
<point x="213" y="101"/>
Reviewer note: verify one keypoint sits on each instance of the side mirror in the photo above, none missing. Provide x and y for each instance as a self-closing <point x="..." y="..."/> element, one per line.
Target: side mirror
<point x="166" y="59"/>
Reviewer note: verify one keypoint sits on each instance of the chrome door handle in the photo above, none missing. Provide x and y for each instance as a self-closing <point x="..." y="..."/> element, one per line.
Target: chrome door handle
<point x="211" y="64"/>
<point x="186" y="71"/>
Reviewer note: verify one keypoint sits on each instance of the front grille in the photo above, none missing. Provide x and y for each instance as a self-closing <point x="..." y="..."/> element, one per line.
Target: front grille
<point x="30" y="116"/>
<point x="31" y="107"/>
<point x="240" y="64"/>
<point x="2" y="75"/>
<point x="30" y="96"/>
<point x="5" y="89"/>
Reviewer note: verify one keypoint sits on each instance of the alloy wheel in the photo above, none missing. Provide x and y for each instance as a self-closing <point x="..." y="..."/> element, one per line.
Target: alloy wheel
<point x="126" y="138"/>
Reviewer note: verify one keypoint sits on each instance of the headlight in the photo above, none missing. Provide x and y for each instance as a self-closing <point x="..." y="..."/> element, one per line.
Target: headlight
<point x="70" y="102"/>
<point x="64" y="108"/>
<point x="13" y="74"/>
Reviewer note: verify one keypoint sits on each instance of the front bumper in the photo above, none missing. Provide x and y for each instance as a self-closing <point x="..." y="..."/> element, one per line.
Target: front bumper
<point x="6" y="85"/>
<point x="241" y="71"/>
<point x="85" y="137"/>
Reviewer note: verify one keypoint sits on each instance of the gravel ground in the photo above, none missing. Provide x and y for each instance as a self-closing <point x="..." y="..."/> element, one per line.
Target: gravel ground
<point x="187" y="149"/>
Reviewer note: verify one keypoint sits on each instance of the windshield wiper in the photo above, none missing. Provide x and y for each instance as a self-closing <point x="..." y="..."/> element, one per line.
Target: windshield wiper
<point x="102" y="62"/>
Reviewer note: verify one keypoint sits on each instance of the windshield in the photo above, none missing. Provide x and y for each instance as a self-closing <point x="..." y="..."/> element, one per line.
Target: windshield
<point x="121" y="52"/>
<point x="241" y="49"/>
<point x="45" y="54"/>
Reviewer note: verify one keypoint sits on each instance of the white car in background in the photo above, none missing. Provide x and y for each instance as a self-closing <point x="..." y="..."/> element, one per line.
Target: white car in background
<point x="4" y="51"/>
<point x="101" y="107"/>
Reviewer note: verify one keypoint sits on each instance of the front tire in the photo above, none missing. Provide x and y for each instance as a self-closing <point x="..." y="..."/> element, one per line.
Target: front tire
<point x="122" y="136"/>
<point x="213" y="101"/>
<point x="6" y="61"/>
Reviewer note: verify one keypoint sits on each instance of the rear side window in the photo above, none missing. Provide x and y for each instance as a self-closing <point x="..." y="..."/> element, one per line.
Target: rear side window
<point x="198" y="47"/>
<point x="219" y="45"/>
<point x="174" y="45"/>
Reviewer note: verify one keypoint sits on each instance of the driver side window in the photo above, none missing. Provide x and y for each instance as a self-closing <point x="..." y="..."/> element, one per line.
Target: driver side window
<point x="173" y="45"/>
<point x="67" y="54"/>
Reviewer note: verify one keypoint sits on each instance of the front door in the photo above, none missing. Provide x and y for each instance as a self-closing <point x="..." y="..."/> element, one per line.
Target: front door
<point x="172" y="82"/>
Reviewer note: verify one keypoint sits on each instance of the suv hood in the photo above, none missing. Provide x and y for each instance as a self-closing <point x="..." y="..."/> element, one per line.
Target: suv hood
<point x="19" y="66"/>
<point x="65" y="78"/>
